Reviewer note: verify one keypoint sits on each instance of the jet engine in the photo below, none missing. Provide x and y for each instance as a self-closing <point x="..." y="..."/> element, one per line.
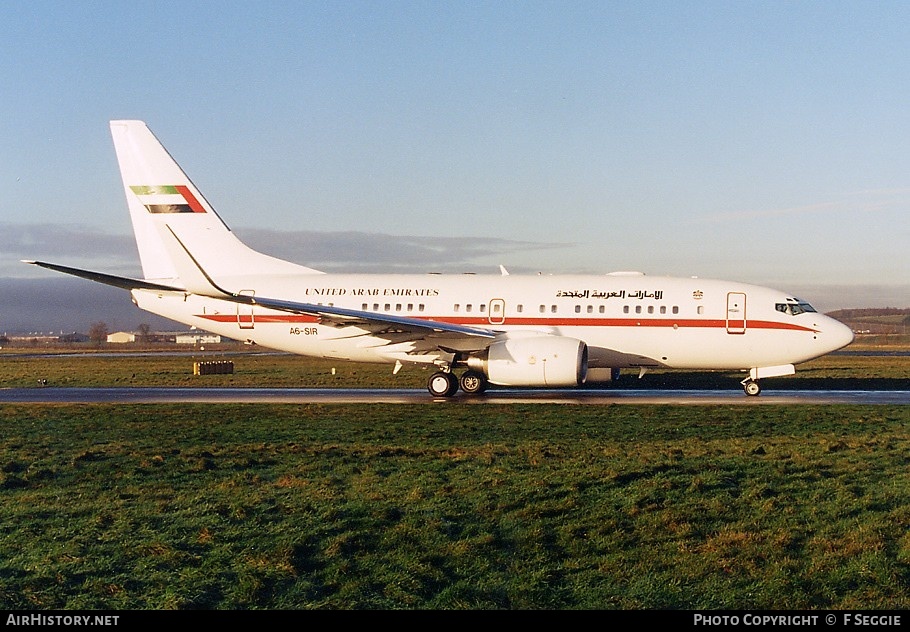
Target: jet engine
<point x="537" y="361"/>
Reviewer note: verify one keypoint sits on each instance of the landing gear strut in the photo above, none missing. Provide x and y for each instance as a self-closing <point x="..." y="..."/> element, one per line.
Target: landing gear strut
<point x="442" y="384"/>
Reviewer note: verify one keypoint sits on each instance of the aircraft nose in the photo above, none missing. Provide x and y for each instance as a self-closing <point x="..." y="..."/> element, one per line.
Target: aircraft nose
<point x="837" y="334"/>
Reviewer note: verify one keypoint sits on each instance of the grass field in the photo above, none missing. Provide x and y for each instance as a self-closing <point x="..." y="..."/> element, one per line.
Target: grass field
<point x="448" y="507"/>
<point x="257" y="506"/>
<point x="27" y="369"/>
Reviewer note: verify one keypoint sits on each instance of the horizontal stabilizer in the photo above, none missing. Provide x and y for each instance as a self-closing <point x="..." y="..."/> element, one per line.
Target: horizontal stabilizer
<point x="125" y="283"/>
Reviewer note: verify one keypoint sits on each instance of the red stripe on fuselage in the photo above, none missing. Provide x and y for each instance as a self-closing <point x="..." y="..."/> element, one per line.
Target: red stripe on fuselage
<point x="632" y="322"/>
<point x="260" y="318"/>
<point x="539" y="322"/>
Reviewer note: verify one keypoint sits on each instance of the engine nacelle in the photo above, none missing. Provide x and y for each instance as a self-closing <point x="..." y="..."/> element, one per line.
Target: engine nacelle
<point x="538" y="361"/>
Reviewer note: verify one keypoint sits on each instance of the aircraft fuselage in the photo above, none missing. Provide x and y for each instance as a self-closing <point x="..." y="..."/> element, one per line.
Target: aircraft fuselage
<point x="626" y="320"/>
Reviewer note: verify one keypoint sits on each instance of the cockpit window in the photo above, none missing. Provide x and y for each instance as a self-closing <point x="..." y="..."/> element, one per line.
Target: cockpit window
<point x="794" y="308"/>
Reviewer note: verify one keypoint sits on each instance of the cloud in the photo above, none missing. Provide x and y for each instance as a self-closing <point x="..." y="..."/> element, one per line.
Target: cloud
<point x="73" y="244"/>
<point x="87" y="247"/>
<point x="371" y="252"/>
<point x="33" y="299"/>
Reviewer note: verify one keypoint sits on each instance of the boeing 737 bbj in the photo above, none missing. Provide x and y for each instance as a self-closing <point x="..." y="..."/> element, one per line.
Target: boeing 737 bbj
<point x="505" y="330"/>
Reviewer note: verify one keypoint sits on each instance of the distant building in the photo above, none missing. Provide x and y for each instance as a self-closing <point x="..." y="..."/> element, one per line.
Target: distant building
<point x="121" y="337"/>
<point x="33" y="338"/>
<point x="74" y="337"/>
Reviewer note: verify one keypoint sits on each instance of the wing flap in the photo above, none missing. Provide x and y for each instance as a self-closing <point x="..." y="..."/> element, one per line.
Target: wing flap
<point x="375" y="322"/>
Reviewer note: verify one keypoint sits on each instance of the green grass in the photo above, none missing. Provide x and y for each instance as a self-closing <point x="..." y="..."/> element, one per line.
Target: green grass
<point x="450" y="507"/>
<point x="446" y="507"/>
<point x="278" y="370"/>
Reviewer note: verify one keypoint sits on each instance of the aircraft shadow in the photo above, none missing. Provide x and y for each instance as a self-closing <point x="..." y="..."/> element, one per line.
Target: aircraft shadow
<point x="708" y="380"/>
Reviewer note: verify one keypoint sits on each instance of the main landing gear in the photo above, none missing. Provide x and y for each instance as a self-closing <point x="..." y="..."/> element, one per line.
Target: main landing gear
<point x="442" y="384"/>
<point x="473" y="382"/>
<point x="445" y="384"/>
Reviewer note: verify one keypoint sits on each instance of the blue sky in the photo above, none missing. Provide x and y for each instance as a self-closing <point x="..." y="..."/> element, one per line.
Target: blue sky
<point x="760" y="141"/>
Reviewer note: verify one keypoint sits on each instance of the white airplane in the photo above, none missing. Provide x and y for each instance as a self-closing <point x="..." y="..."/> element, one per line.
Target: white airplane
<point x="504" y="330"/>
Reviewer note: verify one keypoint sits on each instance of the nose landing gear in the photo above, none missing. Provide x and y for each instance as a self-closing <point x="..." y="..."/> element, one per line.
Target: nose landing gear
<point x="751" y="387"/>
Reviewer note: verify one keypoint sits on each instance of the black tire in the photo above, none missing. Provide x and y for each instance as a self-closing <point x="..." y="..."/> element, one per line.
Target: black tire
<point x="473" y="382"/>
<point x="442" y="384"/>
<point x="752" y="388"/>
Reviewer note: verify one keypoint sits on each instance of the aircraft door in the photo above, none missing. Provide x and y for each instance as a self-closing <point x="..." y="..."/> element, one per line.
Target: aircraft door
<point x="245" y="316"/>
<point x="736" y="313"/>
<point x="497" y="312"/>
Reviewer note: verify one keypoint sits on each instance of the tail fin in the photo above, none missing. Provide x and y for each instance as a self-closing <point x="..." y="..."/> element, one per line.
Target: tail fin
<point x="165" y="204"/>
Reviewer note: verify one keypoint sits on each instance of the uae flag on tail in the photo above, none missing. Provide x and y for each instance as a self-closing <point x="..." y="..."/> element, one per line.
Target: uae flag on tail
<point x="168" y="199"/>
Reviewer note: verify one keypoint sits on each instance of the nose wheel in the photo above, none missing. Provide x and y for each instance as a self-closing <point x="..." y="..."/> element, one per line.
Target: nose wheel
<point x="751" y="387"/>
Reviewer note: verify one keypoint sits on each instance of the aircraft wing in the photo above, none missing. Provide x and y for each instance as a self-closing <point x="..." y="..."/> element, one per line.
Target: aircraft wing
<point x="341" y="317"/>
<point x="198" y="281"/>
<point x="328" y="315"/>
